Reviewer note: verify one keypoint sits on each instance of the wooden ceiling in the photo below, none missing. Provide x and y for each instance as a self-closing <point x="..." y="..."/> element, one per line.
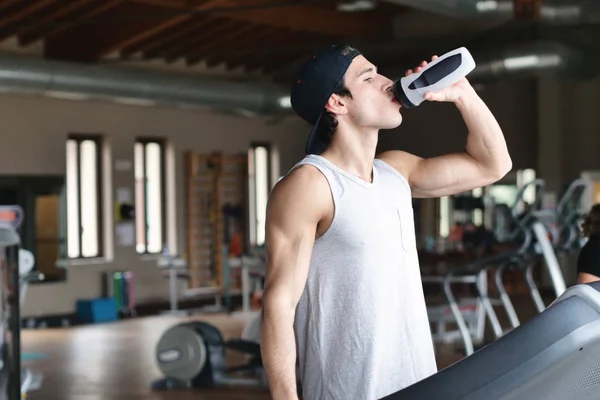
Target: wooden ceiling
<point x="256" y="35"/>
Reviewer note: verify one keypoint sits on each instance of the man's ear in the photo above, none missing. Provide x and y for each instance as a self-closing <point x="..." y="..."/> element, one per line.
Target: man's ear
<point x="336" y="105"/>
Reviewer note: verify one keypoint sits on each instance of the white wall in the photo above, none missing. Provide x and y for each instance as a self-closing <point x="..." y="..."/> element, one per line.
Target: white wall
<point x="34" y="131"/>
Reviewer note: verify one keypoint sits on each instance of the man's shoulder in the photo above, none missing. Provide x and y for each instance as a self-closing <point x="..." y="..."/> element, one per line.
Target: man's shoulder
<point x="302" y="182"/>
<point x="302" y="174"/>
<point x="301" y="195"/>
<point x="400" y="161"/>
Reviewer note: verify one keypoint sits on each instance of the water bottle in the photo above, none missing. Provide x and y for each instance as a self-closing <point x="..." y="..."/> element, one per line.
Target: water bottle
<point x="440" y="73"/>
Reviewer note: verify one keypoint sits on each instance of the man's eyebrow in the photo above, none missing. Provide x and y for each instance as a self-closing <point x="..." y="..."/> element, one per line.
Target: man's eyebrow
<point x="364" y="71"/>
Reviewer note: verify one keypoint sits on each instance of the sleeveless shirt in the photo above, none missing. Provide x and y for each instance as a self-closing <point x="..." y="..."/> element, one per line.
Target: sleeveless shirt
<point x="361" y="324"/>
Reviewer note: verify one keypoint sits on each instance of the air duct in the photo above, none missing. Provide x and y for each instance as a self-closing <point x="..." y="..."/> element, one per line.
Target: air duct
<point x="503" y="9"/>
<point x="136" y="86"/>
<point x="529" y="59"/>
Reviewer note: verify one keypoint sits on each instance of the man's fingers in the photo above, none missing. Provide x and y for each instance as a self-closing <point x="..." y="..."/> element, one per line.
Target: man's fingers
<point x="435" y="96"/>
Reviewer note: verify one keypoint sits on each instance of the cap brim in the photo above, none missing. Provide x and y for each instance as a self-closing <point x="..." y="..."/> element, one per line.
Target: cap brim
<point x="315" y="145"/>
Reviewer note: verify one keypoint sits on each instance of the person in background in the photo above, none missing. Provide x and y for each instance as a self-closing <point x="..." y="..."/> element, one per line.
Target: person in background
<point x="588" y="261"/>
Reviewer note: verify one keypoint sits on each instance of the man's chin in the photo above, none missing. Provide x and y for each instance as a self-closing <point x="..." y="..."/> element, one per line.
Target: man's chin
<point x="393" y="126"/>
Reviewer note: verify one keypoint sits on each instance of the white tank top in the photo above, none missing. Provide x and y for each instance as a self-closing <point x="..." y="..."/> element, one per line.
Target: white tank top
<point x="361" y="326"/>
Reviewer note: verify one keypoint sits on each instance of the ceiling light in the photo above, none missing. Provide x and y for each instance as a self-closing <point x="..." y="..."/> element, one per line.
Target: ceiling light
<point x="356" y="5"/>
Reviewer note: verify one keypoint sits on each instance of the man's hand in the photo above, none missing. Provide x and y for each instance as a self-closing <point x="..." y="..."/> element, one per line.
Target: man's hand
<point x="452" y="93"/>
<point x="484" y="161"/>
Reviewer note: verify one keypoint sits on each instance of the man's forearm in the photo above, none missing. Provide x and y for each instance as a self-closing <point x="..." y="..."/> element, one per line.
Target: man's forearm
<point x="485" y="140"/>
<point x="278" y="347"/>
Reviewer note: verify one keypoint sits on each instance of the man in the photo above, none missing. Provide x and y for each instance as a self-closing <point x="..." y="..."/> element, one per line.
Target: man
<point x="343" y="289"/>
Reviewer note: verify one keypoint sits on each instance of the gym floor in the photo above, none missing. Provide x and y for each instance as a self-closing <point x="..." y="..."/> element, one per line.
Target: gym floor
<point x="116" y="361"/>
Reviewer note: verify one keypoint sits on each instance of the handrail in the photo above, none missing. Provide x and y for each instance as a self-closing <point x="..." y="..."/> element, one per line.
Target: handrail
<point x="473" y="268"/>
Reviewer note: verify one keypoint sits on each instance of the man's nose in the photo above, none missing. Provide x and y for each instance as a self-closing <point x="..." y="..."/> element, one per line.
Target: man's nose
<point x="388" y="84"/>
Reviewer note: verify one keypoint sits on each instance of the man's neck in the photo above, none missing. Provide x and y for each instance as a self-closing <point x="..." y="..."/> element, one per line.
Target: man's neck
<point x="354" y="152"/>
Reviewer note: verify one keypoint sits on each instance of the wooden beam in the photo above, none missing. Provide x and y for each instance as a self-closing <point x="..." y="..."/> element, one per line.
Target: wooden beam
<point x="164" y="36"/>
<point x="198" y="52"/>
<point x="317" y="20"/>
<point x="132" y="33"/>
<point x="237" y="54"/>
<point x="266" y="50"/>
<point x="99" y="9"/>
<point x="216" y="56"/>
<point x="322" y="19"/>
<point x="213" y="30"/>
<point x="12" y="18"/>
<point x="177" y="38"/>
<point x="5" y="4"/>
<point x="52" y="18"/>
<point x="82" y="42"/>
<point x="22" y="15"/>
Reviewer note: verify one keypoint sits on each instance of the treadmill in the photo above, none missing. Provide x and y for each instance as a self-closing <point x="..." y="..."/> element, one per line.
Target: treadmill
<point x="554" y="356"/>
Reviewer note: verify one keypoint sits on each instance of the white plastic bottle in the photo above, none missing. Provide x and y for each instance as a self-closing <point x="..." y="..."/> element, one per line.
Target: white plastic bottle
<point x="444" y="71"/>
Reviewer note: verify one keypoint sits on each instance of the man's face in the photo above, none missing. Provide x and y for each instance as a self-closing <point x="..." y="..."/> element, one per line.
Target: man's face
<point x="373" y="104"/>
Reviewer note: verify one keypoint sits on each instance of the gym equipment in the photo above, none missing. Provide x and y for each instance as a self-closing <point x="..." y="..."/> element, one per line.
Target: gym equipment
<point x="252" y="273"/>
<point x="554" y="356"/>
<point x="174" y="265"/>
<point x="541" y="233"/>
<point x="530" y="229"/>
<point x="568" y="214"/>
<point x="509" y="229"/>
<point x="16" y="271"/>
<point x="192" y="355"/>
<point x="479" y="270"/>
<point x="123" y="286"/>
<point x="437" y="75"/>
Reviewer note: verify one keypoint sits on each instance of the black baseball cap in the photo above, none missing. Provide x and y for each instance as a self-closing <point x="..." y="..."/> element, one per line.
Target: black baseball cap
<point x="314" y="84"/>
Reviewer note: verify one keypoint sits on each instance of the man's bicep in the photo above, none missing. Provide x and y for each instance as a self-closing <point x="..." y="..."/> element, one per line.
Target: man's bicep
<point x="447" y="175"/>
<point x="438" y="176"/>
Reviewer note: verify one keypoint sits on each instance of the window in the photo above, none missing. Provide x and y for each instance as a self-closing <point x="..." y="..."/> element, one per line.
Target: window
<point x="444" y="227"/>
<point x="149" y="167"/>
<point x="260" y="182"/>
<point x="84" y="194"/>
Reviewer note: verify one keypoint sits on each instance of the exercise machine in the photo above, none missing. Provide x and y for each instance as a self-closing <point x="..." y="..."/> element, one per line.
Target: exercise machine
<point x="478" y="271"/>
<point x="542" y="234"/>
<point x="553" y="356"/>
<point x="192" y="355"/>
<point x="568" y="215"/>
<point x="173" y="265"/>
<point x="16" y="272"/>
<point x="508" y="228"/>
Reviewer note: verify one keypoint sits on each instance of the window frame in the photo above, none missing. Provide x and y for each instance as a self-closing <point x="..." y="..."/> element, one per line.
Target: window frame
<point x="162" y="142"/>
<point x="98" y="139"/>
<point x="269" y="148"/>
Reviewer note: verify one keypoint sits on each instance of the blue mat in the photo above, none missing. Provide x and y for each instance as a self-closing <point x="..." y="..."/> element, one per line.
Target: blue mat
<point x="33" y="356"/>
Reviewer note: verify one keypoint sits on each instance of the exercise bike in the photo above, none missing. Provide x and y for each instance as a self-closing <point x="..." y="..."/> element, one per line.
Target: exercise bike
<point x="192" y="355"/>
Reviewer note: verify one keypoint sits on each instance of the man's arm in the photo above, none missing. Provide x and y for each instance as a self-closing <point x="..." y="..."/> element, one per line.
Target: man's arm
<point x="484" y="161"/>
<point x="296" y="205"/>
